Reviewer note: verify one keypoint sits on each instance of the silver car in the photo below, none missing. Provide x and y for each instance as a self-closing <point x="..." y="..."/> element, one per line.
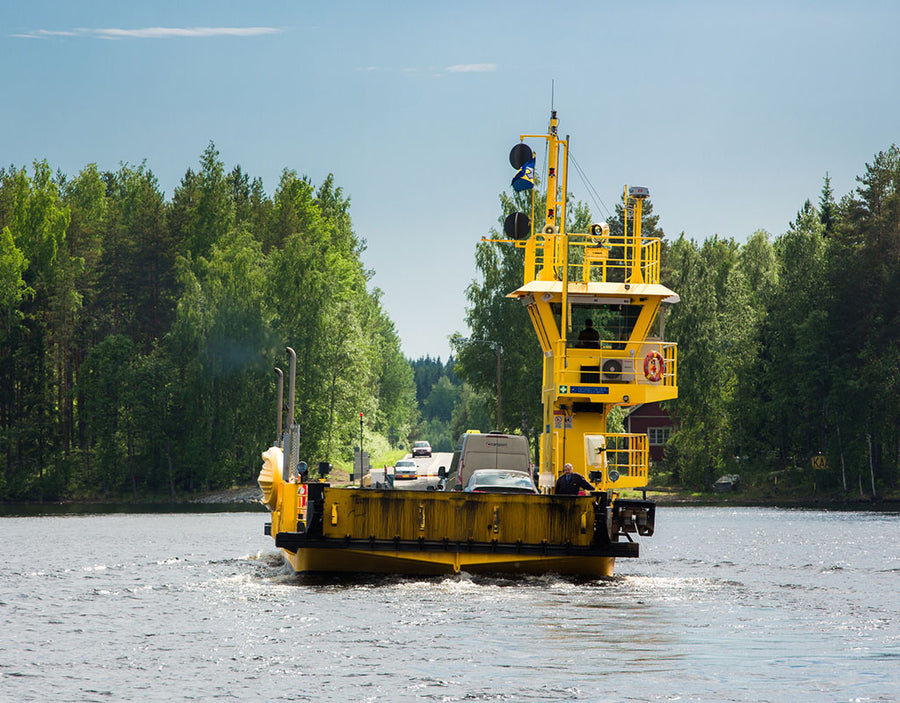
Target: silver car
<point x="405" y="470"/>
<point x="499" y="481"/>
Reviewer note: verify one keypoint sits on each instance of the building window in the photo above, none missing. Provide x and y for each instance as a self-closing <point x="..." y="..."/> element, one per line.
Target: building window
<point x="658" y="435"/>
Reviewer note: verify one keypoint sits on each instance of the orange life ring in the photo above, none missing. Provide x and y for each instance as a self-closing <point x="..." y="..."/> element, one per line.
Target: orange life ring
<point x="654" y="366"/>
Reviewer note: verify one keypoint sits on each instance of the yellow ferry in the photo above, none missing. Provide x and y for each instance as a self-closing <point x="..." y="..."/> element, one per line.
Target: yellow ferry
<point x="569" y="278"/>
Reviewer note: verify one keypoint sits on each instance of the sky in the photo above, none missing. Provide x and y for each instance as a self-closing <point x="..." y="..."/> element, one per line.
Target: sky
<point x="731" y="113"/>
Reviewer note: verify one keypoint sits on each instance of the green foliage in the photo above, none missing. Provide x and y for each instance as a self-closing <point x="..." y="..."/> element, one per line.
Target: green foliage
<point x="448" y="406"/>
<point x="427" y="372"/>
<point x="442" y="399"/>
<point x="33" y="220"/>
<point x="12" y="286"/>
<point x="501" y="324"/>
<point x="139" y="336"/>
<point x="106" y="380"/>
<point x="786" y="348"/>
<point x="437" y="397"/>
<point x="798" y="353"/>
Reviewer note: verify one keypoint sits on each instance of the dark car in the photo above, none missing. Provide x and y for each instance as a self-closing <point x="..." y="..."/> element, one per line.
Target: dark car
<point x="500" y="481"/>
<point x="421" y="448"/>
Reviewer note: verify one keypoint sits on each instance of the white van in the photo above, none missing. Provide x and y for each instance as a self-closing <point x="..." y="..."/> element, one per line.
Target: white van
<point x="492" y="450"/>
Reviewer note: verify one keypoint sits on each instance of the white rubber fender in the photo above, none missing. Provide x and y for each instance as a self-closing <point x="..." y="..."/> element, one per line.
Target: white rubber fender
<point x="270" y="476"/>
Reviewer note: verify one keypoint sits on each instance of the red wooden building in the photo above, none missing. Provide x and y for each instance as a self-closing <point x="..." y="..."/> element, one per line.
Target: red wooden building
<point x="652" y="420"/>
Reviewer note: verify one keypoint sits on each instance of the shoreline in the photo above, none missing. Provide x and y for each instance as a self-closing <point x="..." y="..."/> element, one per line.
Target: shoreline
<point x="252" y="495"/>
<point x="664" y="498"/>
<point x="736" y="499"/>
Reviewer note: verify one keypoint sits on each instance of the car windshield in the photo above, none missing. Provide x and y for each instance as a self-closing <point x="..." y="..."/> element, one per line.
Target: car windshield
<point x="400" y="464"/>
<point x="500" y="482"/>
<point x="421" y="444"/>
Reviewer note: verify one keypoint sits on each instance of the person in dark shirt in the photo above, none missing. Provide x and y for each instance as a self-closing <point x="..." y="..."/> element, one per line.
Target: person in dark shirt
<point x="589" y="337"/>
<point x="569" y="483"/>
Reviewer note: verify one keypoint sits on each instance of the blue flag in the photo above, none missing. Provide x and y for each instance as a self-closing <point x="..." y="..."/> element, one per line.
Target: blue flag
<point x="524" y="178"/>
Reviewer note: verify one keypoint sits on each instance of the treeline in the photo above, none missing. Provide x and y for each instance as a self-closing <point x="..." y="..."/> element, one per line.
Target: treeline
<point x="788" y="347"/>
<point x="791" y="348"/>
<point x="139" y="335"/>
<point x="448" y="406"/>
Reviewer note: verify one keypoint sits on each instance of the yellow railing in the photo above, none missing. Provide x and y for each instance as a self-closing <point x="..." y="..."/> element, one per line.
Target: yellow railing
<point x="618" y="362"/>
<point x="611" y="259"/>
<point x="606" y="259"/>
<point x="627" y="460"/>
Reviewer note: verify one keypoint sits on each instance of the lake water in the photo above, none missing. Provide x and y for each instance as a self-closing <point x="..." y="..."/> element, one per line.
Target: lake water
<point x="744" y="604"/>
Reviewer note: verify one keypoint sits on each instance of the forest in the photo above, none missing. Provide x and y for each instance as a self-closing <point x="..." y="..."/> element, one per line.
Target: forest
<point x="139" y="337"/>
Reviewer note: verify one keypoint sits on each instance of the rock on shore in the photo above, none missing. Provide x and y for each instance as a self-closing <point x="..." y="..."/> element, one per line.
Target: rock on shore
<point x="241" y="494"/>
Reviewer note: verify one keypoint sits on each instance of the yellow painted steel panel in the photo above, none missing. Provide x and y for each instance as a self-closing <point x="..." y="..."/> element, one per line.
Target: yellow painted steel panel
<point x="458" y="517"/>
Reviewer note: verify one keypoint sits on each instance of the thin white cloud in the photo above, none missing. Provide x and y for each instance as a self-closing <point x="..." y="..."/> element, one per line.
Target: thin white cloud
<point x="42" y="33"/>
<point x="472" y="68"/>
<point x="433" y="72"/>
<point x="166" y="32"/>
<point x="152" y="32"/>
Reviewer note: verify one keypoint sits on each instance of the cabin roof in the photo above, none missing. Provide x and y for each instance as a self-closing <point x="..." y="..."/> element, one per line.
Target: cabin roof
<point x="598" y="288"/>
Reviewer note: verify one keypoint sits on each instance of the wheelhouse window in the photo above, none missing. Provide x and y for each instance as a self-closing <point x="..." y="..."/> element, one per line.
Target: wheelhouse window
<point x="612" y="322"/>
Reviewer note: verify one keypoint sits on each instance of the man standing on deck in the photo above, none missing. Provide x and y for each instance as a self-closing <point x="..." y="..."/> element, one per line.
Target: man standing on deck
<point x="571" y="483"/>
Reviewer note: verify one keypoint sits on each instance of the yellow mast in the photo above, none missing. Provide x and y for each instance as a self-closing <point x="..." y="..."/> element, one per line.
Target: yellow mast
<point x="619" y="290"/>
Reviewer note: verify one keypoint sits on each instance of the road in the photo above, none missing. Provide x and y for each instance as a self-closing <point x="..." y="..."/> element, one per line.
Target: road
<point x="428" y="471"/>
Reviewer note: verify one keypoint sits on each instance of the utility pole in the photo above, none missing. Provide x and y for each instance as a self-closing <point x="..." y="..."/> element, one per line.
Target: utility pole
<point x="497" y="349"/>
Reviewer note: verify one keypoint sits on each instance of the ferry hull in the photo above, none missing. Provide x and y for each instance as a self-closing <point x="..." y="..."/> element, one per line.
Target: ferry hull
<point x="327" y="560"/>
<point x="321" y="529"/>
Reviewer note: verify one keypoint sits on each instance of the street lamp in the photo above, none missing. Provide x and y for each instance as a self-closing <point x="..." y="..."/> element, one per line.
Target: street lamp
<point x="497" y="349"/>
